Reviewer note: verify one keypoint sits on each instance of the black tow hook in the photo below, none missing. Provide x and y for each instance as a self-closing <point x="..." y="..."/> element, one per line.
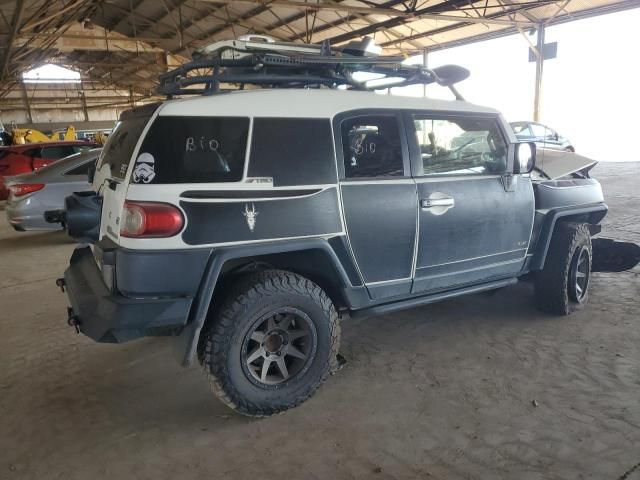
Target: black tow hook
<point x="60" y="283"/>
<point x="73" y="319"/>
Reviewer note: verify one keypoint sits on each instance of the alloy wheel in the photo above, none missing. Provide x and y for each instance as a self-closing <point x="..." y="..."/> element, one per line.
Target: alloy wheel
<point x="278" y="347"/>
<point x="579" y="275"/>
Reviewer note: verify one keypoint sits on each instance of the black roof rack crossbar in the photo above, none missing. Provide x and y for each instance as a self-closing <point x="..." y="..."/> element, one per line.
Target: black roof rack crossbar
<point x="299" y="71"/>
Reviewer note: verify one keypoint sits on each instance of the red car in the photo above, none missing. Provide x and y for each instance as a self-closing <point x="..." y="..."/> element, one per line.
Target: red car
<point x="17" y="159"/>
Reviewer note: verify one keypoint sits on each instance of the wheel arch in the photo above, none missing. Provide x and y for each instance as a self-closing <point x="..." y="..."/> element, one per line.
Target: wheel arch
<point x="319" y="260"/>
<point x="589" y="214"/>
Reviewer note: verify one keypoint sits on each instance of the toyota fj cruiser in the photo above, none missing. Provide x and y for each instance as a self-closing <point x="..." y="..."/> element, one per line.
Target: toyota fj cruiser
<point x="246" y="224"/>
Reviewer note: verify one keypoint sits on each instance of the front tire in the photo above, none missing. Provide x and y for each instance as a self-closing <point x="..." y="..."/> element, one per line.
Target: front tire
<point x="272" y="343"/>
<point x="561" y="288"/>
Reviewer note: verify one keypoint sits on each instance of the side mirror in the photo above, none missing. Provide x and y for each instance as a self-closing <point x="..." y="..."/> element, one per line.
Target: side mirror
<point x="91" y="173"/>
<point x="525" y="159"/>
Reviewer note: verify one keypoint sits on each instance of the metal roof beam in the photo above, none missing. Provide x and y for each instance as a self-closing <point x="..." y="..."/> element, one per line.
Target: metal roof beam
<point x="464" y="23"/>
<point x="345" y="21"/>
<point x="395" y="22"/>
<point x="333" y="6"/>
<point x="15" y="27"/>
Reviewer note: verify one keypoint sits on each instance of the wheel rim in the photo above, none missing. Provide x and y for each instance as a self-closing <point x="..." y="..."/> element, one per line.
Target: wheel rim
<point x="579" y="276"/>
<point x="278" y="347"/>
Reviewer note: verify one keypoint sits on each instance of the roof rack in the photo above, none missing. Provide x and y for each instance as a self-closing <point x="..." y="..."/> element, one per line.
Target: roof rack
<point x="269" y="64"/>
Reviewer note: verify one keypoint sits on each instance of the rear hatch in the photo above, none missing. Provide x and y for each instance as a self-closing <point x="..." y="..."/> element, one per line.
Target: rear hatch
<point x="154" y="157"/>
<point x="112" y="171"/>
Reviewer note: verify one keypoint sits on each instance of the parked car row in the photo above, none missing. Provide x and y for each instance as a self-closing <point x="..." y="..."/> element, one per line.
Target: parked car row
<point x="31" y="194"/>
<point x="541" y="135"/>
<point x="19" y="159"/>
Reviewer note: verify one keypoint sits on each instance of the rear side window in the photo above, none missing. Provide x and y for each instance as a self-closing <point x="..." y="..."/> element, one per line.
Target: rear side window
<point x="57" y="152"/>
<point x="192" y="150"/>
<point x="34" y="152"/>
<point x="293" y="151"/>
<point x="81" y="169"/>
<point x="83" y="148"/>
<point x="119" y="148"/>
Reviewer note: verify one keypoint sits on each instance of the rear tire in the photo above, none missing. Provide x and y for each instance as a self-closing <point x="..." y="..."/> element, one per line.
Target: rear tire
<point x="561" y="288"/>
<point x="271" y="344"/>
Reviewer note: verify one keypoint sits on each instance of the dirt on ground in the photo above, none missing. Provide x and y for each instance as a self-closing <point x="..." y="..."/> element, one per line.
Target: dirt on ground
<point x="480" y="387"/>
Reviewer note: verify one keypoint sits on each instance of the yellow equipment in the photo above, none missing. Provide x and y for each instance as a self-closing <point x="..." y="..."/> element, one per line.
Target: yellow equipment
<point x="100" y="138"/>
<point x="27" y="135"/>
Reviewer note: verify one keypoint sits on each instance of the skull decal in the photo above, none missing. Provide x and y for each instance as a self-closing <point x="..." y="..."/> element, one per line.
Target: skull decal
<point x="250" y="215"/>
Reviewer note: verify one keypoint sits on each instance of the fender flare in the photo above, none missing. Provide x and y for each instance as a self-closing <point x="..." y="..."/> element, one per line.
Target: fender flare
<point x="597" y="211"/>
<point x="185" y="344"/>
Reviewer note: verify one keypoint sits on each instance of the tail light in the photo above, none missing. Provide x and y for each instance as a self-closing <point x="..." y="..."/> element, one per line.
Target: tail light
<point x="150" y="220"/>
<point x="22" y="189"/>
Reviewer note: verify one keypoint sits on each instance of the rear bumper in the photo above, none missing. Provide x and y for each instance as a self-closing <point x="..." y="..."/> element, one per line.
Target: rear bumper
<point x="22" y="218"/>
<point x="110" y="317"/>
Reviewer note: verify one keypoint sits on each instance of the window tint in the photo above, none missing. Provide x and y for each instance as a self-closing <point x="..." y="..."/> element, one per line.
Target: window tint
<point x="81" y="169"/>
<point x="57" y="152"/>
<point x="463" y="146"/>
<point x="193" y="150"/>
<point x="293" y="151"/>
<point x="34" y="152"/>
<point x="117" y="152"/>
<point x="371" y="147"/>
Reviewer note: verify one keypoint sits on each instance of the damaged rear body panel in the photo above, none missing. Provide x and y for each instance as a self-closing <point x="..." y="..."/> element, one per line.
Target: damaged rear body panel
<point x="553" y="164"/>
<point x="565" y="192"/>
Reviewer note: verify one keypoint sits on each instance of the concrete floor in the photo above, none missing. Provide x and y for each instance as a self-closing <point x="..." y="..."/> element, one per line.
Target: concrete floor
<point x="475" y="388"/>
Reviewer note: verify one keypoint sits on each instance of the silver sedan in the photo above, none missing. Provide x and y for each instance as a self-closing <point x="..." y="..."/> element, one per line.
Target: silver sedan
<point x="32" y="194"/>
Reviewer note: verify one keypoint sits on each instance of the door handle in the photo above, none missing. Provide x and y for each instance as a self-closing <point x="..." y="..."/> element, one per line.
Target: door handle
<point x="427" y="203"/>
<point x="437" y="203"/>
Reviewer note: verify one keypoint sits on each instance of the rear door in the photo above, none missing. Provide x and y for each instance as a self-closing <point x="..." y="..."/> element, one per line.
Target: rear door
<point x="378" y="198"/>
<point x="474" y="217"/>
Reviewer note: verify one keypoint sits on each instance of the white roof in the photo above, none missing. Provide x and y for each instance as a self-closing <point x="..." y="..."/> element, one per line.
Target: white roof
<point x="311" y="103"/>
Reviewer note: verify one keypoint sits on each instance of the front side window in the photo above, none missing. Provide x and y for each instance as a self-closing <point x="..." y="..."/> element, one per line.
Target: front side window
<point x="371" y="147"/>
<point x="460" y="146"/>
<point x="192" y="150"/>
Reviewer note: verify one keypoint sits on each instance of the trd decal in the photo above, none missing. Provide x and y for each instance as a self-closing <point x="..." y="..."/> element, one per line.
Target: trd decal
<point x="144" y="171"/>
<point x="250" y="215"/>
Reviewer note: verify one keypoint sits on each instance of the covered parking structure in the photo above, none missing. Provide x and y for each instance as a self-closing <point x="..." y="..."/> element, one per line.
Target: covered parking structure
<point x="478" y="387"/>
<point x="119" y="47"/>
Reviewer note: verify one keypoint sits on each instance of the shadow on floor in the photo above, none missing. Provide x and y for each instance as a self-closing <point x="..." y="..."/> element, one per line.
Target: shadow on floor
<point x="26" y="240"/>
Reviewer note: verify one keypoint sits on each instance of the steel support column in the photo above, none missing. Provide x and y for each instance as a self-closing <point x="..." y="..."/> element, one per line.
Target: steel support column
<point x="539" y="69"/>
<point x="83" y="97"/>
<point x="25" y="96"/>
<point x="425" y="64"/>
